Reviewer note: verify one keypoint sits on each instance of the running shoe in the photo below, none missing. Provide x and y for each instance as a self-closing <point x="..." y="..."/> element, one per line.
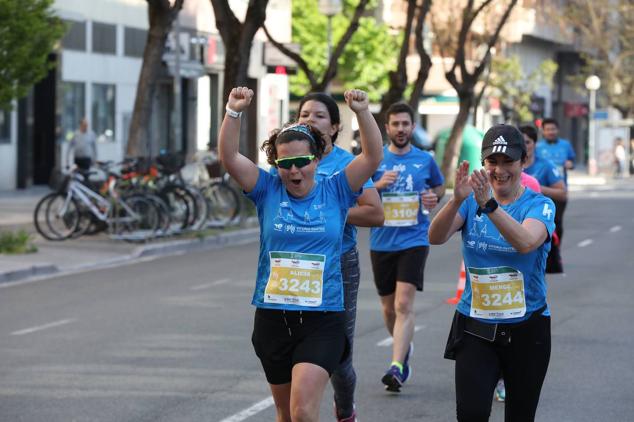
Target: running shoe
<point x="393" y="379"/>
<point x="351" y="418"/>
<point x="407" y="370"/>
<point x="500" y="391"/>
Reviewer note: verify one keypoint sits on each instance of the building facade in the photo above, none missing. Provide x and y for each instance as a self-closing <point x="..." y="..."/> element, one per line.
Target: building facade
<point x="96" y="72"/>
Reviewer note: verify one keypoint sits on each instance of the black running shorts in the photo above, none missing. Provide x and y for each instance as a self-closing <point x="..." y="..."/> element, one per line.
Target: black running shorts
<point x="407" y="265"/>
<point x="282" y="339"/>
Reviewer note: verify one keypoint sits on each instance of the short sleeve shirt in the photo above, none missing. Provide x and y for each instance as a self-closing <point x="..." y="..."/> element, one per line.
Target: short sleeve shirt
<point x="309" y="225"/>
<point x="483" y="246"/>
<point x="334" y="162"/>
<point x="544" y="171"/>
<point x="557" y="152"/>
<point x="417" y="171"/>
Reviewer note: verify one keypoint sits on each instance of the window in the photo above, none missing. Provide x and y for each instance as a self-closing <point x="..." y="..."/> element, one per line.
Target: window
<point x="75" y="37"/>
<point x="5" y="126"/>
<point x="71" y="108"/>
<point x="103" y="111"/>
<point x="134" y="42"/>
<point x="104" y="38"/>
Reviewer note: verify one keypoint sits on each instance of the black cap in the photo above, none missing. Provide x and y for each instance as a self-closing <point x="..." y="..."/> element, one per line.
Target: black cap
<point x="503" y="139"/>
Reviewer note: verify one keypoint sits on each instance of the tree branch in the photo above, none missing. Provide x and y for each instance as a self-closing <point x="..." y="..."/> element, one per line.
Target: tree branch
<point x="493" y="40"/>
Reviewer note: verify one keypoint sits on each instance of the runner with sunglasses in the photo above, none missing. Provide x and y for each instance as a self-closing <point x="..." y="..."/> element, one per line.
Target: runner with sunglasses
<point x="320" y="111"/>
<point x="299" y="328"/>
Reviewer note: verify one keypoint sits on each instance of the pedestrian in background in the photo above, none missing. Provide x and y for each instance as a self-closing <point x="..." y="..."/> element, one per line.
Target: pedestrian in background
<point x="299" y="329"/>
<point x="82" y="147"/>
<point x="411" y="185"/>
<point x="620" y="158"/>
<point x="502" y="322"/>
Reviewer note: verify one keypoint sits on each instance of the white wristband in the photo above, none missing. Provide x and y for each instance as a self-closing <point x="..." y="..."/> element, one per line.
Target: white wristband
<point x="233" y="113"/>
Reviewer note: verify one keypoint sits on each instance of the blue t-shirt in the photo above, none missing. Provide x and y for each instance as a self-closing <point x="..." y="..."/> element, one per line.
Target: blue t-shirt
<point x="305" y="232"/>
<point x="484" y="247"/>
<point x="417" y="172"/>
<point x="336" y="161"/>
<point x="557" y="152"/>
<point x="544" y="171"/>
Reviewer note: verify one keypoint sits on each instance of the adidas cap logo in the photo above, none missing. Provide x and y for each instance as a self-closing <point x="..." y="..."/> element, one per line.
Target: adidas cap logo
<point x="500" y="141"/>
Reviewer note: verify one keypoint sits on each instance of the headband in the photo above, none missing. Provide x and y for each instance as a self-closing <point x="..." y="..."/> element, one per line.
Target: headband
<point x="301" y="128"/>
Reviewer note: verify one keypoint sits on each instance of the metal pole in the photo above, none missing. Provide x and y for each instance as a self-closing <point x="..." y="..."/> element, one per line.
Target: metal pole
<point x="592" y="162"/>
<point x="178" y="106"/>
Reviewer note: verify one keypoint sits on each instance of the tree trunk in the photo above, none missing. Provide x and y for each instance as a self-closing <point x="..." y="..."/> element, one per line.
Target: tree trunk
<point x="237" y="38"/>
<point x="160" y="15"/>
<point x="454" y="143"/>
<point x="425" y="60"/>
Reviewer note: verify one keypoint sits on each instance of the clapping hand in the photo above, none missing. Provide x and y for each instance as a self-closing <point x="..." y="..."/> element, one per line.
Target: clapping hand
<point x="239" y="98"/>
<point x="479" y="182"/>
<point x="462" y="188"/>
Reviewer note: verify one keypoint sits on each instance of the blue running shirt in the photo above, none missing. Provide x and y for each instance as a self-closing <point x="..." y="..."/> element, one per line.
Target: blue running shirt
<point x="300" y="244"/>
<point x="485" y="250"/>
<point x="544" y="171"/>
<point x="329" y="164"/>
<point x="417" y="172"/>
<point x="557" y="152"/>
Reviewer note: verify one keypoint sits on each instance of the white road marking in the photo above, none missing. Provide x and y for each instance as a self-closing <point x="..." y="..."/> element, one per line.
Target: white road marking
<point x="388" y="341"/>
<point x="615" y="229"/>
<point x="585" y="243"/>
<point x="42" y="327"/>
<point x="209" y="285"/>
<point x="247" y="413"/>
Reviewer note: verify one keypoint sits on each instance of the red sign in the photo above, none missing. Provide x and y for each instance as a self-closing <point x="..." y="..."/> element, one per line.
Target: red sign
<point x="575" y="109"/>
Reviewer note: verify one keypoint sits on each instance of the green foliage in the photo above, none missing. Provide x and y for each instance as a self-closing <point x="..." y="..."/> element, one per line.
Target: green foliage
<point x="16" y="242"/>
<point x="514" y="88"/>
<point x="366" y="60"/>
<point x="28" y="33"/>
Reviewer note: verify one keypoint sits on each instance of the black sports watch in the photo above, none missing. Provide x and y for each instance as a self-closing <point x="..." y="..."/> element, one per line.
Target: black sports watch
<point x="490" y="206"/>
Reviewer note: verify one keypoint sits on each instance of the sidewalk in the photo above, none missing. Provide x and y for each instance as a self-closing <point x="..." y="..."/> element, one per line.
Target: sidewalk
<point x="90" y="252"/>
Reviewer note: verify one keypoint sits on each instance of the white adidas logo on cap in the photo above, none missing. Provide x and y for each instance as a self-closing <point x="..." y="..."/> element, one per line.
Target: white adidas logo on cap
<point x="499" y="145"/>
<point x="500" y="141"/>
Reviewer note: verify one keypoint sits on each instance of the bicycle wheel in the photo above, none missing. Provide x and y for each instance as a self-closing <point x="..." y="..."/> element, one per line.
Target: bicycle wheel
<point x="224" y="202"/>
<point x="178" y="207"/>
<point x="39" y="218"/>
<point x="135" y="218"/>
<point x="62" y="216"/>
<point x="202" y="208"/>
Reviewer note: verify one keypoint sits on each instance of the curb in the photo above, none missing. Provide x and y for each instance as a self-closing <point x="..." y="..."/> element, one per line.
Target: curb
<point x="32" y="271"/>
<point x="235" y="238"/>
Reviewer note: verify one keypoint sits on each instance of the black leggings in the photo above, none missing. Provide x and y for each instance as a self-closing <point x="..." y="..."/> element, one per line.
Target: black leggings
<point x="523" y="361"/>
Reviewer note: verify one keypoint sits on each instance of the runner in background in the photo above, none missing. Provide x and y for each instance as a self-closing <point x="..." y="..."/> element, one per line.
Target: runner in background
<point x="410" y="184"/>
<point x="560" y="152"/>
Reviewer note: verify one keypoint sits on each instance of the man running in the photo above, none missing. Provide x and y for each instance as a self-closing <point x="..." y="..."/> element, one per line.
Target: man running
<point x="410" y="184"/>
<point x="560" y="152"/>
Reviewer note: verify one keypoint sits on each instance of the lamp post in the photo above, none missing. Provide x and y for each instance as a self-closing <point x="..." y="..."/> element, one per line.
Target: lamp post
<point x="593" y="83"/>
<point x="329" y="8"/>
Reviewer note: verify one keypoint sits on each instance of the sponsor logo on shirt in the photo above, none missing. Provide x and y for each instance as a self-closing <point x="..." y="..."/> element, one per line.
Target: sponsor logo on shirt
<point x="418" y="165"/>
<point x="471" y="244"/>
<point x="278" y="227"/>
<point x="547" y="211"/>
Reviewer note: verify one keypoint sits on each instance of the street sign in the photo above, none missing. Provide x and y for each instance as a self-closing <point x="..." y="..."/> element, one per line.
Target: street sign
<point x="600" y="115"/>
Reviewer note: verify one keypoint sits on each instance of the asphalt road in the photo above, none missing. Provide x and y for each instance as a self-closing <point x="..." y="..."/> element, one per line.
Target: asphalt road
<point x="169" y="339"/>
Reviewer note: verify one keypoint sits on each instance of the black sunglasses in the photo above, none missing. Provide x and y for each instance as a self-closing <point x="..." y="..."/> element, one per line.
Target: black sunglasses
<point x="298" y="161"/>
